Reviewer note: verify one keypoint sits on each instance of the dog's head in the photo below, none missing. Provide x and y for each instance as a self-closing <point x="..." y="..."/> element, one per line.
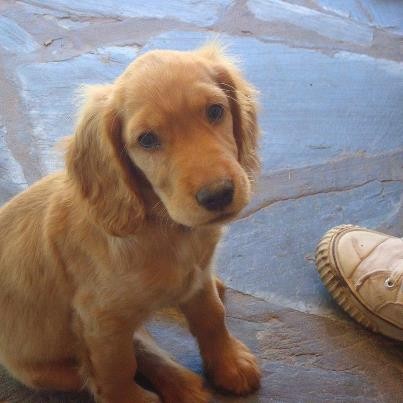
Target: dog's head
<point x="179" y="125"/>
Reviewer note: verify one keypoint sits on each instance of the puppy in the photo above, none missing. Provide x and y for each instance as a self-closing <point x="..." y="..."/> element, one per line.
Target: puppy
<point x="160" y="160"/>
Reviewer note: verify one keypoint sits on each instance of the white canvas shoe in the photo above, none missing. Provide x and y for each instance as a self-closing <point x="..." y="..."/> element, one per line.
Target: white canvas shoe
<point x="363" y="271"/>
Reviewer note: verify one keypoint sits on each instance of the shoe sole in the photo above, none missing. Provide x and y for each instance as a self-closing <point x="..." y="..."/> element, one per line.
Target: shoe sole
<point x="341" y="292"/>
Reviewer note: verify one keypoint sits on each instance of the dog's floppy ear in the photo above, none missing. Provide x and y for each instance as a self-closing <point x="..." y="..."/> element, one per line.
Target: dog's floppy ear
<point x="100" y="167"/>
<point x="242" y="98"/>
<point x="243" y="104"/>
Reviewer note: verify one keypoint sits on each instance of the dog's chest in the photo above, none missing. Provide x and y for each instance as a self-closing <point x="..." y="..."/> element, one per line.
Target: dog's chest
<point x="177" y="264"/>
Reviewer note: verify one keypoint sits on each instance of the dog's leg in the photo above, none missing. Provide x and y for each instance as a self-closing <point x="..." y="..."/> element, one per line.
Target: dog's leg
<point x="228" y="362"/>
<point x="174" y="383"/>
<point x="108" y="359"/>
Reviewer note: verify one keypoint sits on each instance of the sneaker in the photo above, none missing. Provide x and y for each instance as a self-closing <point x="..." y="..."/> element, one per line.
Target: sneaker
<point x="363" y="271"/>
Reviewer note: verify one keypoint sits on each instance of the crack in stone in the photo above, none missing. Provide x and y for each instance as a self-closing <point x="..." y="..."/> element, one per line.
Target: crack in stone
<point x="253" y="320"/>
<point x="307" y="194"/>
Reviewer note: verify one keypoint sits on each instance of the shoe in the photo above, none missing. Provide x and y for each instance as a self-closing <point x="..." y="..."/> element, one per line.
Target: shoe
<point x="363" y="271"/>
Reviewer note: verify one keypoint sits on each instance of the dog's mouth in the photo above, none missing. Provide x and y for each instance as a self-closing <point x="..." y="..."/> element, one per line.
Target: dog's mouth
<point x="163" y="216"/>
<point x="222" y="219"/>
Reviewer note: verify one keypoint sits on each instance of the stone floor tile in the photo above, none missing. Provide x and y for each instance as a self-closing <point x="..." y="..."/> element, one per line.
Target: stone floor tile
<point x="14" y="39"/>
<point x="384" y="14"/>
<point x="50" y="92"/>
<point x="202" y="13"/>
<point x="12" y="178"/>
<point x="308" y="19"/>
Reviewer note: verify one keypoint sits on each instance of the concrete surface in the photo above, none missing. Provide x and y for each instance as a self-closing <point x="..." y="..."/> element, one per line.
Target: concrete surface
<point x="330" y="75"/>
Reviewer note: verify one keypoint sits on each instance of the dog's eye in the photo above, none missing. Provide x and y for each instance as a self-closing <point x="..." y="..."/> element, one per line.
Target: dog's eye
<point x="148" y="140"/>
<point x="215" y="112"/>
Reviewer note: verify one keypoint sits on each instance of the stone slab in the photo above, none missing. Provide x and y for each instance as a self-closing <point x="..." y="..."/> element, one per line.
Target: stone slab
<point x="340" y="174"/>
<point x="203" y="13"/>
<point x="308" y="19"/>
<point x="270" y="254"/>
<point x="303" y="357"/>
<point x="12" y="178"/>
<point x="386" y="14"/>
<point x="15" y="39"/>
<point x="353" y="9"/>
<point x="382" y="14"/>
<point x="49" y="91"/>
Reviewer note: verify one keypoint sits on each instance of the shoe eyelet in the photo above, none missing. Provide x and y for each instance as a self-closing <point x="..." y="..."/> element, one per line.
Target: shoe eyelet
<point x="389" y="283"/>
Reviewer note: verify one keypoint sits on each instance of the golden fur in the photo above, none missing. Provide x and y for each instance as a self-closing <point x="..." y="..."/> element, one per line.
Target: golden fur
<point x="87" y="255"/>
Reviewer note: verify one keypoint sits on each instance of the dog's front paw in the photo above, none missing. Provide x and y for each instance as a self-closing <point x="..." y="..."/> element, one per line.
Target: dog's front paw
<point x="235" y="370"/>
<point x="185" y="387"/>
<point x="150" y="397"/>
<point x="140" y="396"/>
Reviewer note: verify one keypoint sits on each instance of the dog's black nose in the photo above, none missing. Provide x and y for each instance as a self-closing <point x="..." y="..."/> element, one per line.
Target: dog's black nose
<point x="217" y="195"/>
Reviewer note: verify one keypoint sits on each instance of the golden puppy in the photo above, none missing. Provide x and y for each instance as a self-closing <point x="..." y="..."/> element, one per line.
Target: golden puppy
<point x="160" y="160"/>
